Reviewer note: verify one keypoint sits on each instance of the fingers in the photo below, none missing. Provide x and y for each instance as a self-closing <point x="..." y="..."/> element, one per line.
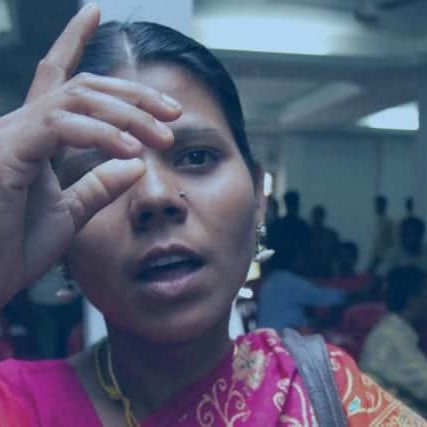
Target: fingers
<point x="143" y="97"/>
<point x="100" y="187"/>
<point x="81" y="117"/>
<point x="65" y="54"/>
<point x="141" y="124"/>
<point x="81" y="131"/>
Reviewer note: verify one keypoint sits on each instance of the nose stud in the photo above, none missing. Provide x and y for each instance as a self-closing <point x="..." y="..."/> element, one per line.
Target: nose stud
<point x="182" y="194"/>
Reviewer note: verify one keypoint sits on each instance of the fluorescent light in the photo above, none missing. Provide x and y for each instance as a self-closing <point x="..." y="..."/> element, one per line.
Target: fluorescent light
<point x="402" y="117"/>
<point x="264" y="32"/>
<point x="268" y="183"/>
<point x="6" y="22"/>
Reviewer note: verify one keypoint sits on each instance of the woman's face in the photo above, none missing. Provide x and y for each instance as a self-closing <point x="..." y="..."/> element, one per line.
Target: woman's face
<point x="163" y="266"/>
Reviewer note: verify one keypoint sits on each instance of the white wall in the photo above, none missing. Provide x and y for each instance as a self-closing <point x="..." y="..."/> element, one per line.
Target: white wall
<point x="344" y="174"/>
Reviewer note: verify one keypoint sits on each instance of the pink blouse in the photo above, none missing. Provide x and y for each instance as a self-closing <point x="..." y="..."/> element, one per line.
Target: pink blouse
<point x="255" y="385"/>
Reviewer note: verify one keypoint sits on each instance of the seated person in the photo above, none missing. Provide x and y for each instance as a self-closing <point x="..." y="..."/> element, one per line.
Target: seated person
<point x="346" y="275"/>
<point x="391" y="353"/>
<point x="410" y="249"/>
<point x="285" y="296"/>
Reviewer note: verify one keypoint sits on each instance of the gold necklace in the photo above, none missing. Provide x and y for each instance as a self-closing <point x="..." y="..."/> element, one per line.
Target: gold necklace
<point x="113" y="391"/>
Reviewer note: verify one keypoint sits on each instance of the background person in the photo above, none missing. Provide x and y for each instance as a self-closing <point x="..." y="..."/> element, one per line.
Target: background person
<point x="410" y="249"/>
<point x="285" y="298"/>
<point x="391" y="353"/>
<point x="290" y="235"/>
<point x="384" y="238"/>
<point x="323" y="245"/>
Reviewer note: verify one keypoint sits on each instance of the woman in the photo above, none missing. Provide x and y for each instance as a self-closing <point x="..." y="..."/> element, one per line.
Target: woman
<point x="157" y="221"/>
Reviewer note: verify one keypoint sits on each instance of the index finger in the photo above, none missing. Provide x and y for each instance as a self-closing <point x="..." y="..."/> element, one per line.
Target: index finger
<point x="65" y="54"/>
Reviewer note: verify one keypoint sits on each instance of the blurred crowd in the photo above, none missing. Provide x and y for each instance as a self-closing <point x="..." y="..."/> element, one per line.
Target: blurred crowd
<point x="376" y="312"/>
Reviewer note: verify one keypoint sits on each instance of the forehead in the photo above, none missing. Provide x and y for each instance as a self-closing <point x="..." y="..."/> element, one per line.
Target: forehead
<point x="199" y="106"/>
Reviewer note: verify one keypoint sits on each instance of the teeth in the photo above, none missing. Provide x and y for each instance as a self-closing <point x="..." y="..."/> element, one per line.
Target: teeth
<point x="166" y="260"/>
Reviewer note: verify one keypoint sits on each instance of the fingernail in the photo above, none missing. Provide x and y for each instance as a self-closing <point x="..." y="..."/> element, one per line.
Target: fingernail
<point x="136" y="164"/>
<point x="170" y="102"/>
<point x="131" y="143"/>
<point x="164" y="129"/>
<point x="87" y="6"/>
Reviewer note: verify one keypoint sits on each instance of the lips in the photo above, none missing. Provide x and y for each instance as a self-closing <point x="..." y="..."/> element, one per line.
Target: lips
<point x="168" y="271"/>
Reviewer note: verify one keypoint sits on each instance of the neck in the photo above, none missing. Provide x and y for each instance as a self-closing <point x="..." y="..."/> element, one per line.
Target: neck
<point x="150" y="373"/>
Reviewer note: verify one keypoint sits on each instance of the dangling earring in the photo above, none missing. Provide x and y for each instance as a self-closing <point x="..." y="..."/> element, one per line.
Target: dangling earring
<point x="69" y="288"/>
<point x="262" y="253"/>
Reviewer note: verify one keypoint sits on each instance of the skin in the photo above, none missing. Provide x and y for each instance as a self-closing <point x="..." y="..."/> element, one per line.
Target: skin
<point x="217" y="220"/>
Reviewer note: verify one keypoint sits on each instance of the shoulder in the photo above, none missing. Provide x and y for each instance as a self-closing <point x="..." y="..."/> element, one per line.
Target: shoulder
<point x="363" y="401"/>
<point x="50" y="387"/>
<point x="26" y="382"/>
<point x="37" y="381"/>
<point x="20" y="373"/>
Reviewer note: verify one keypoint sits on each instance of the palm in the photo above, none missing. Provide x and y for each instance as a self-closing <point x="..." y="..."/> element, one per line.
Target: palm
<point x="49" y="224"/>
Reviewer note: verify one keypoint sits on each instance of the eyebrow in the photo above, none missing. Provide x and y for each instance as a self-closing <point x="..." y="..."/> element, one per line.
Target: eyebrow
<point x="189" y="134"/>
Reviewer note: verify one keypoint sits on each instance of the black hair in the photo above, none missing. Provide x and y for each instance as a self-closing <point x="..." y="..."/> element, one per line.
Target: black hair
<point x="318" y="211"/>
<point x="415" y="225"/>
<point x="116" y="44"/>
<point x="291" y="198"/>
<point x="350" y="247"/>
<point x="403" y="283"/>
<point x="409" y="205"/>
<point x="381" y="200"/>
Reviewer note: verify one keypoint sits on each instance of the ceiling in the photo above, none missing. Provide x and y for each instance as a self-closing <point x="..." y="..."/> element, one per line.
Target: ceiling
<point x="377" y="59"/>
<point x="377" y="51"/>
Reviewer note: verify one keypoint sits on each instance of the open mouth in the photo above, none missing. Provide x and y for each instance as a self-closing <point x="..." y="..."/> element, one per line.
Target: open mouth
<point x="168" y="268"/>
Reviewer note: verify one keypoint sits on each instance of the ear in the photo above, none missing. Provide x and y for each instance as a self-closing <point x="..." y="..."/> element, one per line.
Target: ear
<point x="260" y="198"/>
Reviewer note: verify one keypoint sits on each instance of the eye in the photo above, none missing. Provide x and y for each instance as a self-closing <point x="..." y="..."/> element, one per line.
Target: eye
<point x="198" y="158"/>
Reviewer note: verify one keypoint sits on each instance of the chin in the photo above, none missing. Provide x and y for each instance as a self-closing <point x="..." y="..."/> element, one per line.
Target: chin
<point x="185" y="331"/>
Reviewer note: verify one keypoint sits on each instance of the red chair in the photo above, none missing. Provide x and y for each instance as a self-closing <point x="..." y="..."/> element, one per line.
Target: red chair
<point x="357" y="321"/>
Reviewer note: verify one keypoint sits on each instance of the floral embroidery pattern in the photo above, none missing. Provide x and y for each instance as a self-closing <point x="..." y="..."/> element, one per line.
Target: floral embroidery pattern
<point x="365" y="403"/>
<point x="279" y="398"/>
<point x="305" y="416"/>
<point x="249" y="366"/>
<point x="261" y="387"/>
<point x="225" y="402"/>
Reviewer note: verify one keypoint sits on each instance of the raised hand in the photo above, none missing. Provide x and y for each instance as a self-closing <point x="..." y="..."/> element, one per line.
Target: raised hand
<point x="37" y="219"/>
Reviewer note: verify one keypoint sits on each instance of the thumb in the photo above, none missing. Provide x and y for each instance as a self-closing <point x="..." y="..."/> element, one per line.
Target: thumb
<point x="100" y="187"/>
<point x="65" y="54"/>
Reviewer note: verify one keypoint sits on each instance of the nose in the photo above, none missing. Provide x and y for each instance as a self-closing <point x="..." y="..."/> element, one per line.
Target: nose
<point x="157" y="200"/>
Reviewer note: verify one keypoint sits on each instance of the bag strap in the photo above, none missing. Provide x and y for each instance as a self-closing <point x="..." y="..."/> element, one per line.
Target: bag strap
<point x="312" y="360"/>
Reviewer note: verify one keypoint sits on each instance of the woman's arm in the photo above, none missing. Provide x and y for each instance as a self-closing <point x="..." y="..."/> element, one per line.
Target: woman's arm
<point x="38" y="219"/>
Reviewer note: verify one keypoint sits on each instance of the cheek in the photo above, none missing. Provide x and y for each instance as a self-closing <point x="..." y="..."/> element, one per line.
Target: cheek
<point x="231" y="211"/>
